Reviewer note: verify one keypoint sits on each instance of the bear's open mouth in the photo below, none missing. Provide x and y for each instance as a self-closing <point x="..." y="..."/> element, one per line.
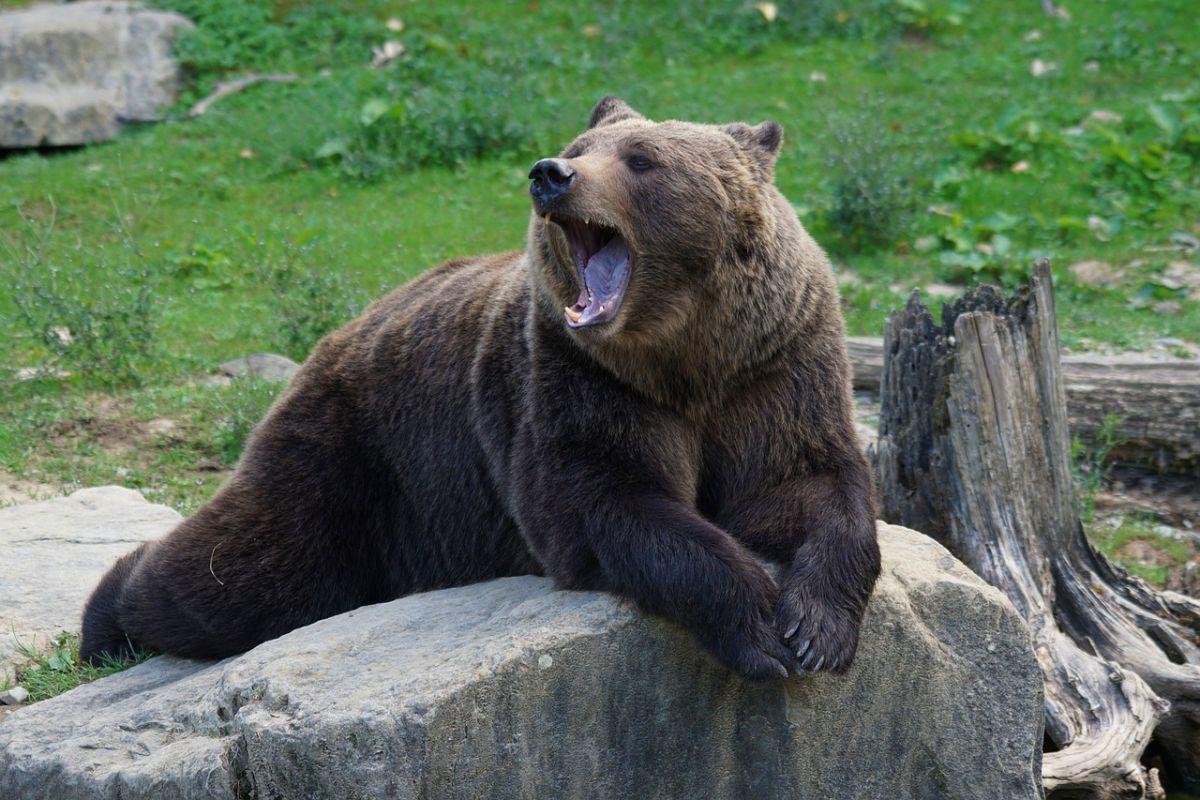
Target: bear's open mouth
<point x="602" y="261"/>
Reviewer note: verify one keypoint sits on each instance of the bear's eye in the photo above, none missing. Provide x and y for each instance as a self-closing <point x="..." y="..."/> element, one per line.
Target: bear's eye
<point x="639" y="163"/>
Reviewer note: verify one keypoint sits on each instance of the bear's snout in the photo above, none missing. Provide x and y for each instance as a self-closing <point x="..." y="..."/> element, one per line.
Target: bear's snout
<point x="551" y="178"/>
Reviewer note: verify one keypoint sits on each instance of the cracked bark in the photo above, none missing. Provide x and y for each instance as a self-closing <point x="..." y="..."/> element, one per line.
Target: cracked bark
<point x="1154" y="402"/>
<point x="974" y="450"/>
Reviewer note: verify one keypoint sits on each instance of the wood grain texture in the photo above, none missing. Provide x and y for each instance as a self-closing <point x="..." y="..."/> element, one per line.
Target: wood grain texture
<point x="1156" y="403"/>
<point x="974" y="450"/>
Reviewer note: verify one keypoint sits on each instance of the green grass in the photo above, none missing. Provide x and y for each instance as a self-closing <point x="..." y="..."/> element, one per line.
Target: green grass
<point x="1131" y="541"/>
<point x="175" y="441"/>
<point x="57" y="669"/>
<point x="353" y="181"/>
<point x="1170" y="552"/>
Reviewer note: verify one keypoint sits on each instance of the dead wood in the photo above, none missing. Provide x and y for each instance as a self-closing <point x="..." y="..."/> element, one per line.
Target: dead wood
<point x="974" y="450"/>
<point x="226" y="88"/>
<point x="1153" y="403"/>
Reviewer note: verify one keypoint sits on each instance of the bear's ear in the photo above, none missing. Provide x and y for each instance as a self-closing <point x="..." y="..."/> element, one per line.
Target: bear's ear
<point x="609" y="110"/>
<point x="762" y="141"/>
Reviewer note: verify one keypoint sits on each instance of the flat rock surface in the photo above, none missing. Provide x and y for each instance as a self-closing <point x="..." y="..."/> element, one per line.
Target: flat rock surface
<point x="512" y="689"/>
<point x="72" y="73"/>
<point x="53" y="553"/>
<point x="268" y="366"/>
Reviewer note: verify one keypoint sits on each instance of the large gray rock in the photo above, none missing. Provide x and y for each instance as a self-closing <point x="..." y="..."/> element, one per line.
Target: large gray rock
<point x="511" y="689"/>
<point x="53" y="553"/>
<point x="70" y="74"/>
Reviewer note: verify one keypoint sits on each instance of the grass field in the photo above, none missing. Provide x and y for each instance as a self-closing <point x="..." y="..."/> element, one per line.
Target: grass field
<point x="921" y="149"/>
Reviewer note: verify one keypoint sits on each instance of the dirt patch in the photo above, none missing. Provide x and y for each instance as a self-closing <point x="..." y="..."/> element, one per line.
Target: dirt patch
<point x="1095" y="273"/>
<point x="158" y="427"/>
<point x="110" y="427"/>
<point x="15" y="490"/>
<point x="106" y="425"/>
<point x="1185" y="578"/>
<point x="1144" y="554"/>
<point x="1169" y="499"/>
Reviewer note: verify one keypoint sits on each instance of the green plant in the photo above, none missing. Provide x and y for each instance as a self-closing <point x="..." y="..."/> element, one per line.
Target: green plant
<point x="1015" y="136"/>
<point x="705" y="29"/>
<point x="1123" y="40"/>
<point x="872" y="194"/>
<point x="57" y="669"/>
<point x="981" y="250"/>
<point x="1089" y="461"/>
<point x="203" y="267"/>
<point x="1179" y="131"/>
<point x="252" y="35"/>
<point x="435" y="115"/>
<point x="1149" y="174"/>
<point x="309" y="303"/>
<point x="105" y="329"/>
<point x="1115" y="541"/>
<point x="239" y="409"/>
<point x="922" y="18"/>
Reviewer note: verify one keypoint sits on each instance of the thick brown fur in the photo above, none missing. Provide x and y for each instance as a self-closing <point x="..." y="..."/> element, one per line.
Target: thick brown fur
<point x="459" y="430"/>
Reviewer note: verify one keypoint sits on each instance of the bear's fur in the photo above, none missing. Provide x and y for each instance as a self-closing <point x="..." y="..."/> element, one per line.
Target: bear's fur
<point x="463" y="429"/>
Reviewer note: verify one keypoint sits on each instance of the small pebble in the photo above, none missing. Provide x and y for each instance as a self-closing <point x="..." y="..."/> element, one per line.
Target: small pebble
<point x="14" y="696"/>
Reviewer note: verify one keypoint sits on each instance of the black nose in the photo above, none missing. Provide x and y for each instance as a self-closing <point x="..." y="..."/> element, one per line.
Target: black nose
<point x="551" y="178"/>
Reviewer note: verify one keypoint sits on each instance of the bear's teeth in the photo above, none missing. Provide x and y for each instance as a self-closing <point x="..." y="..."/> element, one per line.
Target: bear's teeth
<point x="572" y="314"/>
<point x="547" y="216"/>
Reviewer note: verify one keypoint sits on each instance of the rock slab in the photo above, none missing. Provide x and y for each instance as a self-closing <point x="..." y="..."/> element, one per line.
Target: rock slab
<point x="72" y="73"/>
<point x="267" y="366"/>
<point x="53" y="553"/>
<point x="511" y="689"/>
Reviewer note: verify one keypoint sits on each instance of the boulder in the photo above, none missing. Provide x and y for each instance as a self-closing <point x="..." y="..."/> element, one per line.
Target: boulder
<point x="71" y="74"/>
<point x="267" y="366"/>
<point x="512" y="689"/>
<point x="53" y="553"/>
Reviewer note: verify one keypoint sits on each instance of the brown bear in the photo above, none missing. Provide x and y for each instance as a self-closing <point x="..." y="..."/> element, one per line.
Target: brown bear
<point x="647" y="400"/>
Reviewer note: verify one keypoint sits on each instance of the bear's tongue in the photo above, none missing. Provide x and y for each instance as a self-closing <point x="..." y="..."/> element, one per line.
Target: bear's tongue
<point x="604" y="279"/>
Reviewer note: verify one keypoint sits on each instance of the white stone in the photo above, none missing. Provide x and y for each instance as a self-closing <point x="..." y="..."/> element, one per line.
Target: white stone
<point x="71" y="73"/>
<point x="14" y="696"/>
<point x="54" y="554"/>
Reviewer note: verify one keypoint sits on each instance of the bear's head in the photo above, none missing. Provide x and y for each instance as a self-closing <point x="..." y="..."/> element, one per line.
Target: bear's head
<point x="635" y="220"/>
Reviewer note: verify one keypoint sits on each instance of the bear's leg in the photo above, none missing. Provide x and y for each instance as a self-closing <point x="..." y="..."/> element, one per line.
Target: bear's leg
<point x="254" y="564"/>
<point x="305" y="529"/>
<point x="670" y="561"/>
<point x="826" y="537"/>
<point x="103" y="634"/>
<point x="602" y="485"/>
<point x="606" y="526"/>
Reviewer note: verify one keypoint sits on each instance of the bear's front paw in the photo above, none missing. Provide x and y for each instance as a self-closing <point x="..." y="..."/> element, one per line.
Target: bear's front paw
<point x="754" y="651"/>
<point x="820" y="634"/>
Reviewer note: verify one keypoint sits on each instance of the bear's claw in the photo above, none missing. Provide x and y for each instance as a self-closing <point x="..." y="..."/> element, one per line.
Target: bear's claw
<point x="820" y="635"/>
<point x="755" y="652"/>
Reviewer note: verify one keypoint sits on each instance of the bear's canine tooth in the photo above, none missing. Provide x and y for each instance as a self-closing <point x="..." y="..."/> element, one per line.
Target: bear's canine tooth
<point x="572" y="314"/>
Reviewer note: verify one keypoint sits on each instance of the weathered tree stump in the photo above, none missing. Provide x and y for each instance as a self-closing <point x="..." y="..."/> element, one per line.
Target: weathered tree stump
<point x="974" y="450"/>
<point x="1155" y="402"/>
